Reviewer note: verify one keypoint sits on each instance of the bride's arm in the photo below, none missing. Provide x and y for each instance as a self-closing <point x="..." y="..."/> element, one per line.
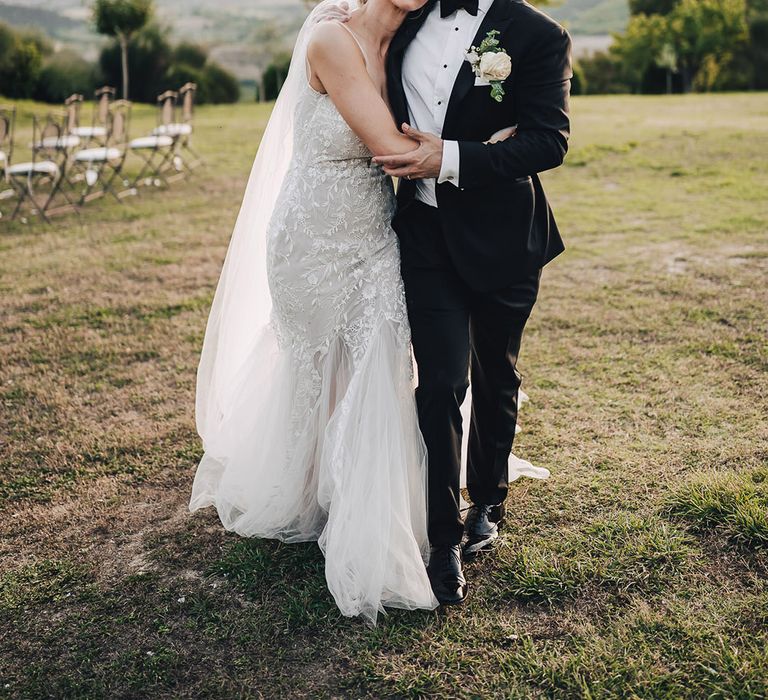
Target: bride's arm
<point x="336" y="62"/>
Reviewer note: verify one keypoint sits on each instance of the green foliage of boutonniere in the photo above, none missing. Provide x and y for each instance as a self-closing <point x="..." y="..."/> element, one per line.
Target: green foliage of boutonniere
<point x="490" y="64"/>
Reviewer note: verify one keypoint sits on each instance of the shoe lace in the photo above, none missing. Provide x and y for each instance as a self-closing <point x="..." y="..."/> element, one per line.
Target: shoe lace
<point x="478" y="512"/>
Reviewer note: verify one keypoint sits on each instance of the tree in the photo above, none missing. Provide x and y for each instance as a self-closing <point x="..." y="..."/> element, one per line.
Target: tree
<point x="698" y="39"/>
<point x="150" y="55"/>
<point x="640" y="47"/>
<point x="64" y="73"/>
<point x="667" y="59"/>
<point x="122" y="19"/>
<point x="758" y="51"/>
<point x="191" y="54"/>
<point x="651" y="7"/>
<point x="706" y="33"/>
<point x="20" y="63"/>
<point x="34" y="35"/>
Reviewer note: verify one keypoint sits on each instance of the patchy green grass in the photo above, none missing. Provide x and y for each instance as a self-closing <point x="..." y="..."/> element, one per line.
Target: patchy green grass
<point x="638" y="570"/>
<point x="43" y="582"/>
<point x="735" y="504"/>
<point x="621" y="553"/>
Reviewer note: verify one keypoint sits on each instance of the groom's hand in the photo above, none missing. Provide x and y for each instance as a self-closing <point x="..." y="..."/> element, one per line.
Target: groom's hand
<point x="422" y="162"/>
<point x="338" y="12"/>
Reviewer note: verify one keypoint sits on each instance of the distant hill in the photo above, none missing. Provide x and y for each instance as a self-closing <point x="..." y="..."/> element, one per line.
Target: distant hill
<point x="229" y="27"/>
<point x="581" y="16"/>
<point x="25" y="15"/>
<point x="591" y="16"/>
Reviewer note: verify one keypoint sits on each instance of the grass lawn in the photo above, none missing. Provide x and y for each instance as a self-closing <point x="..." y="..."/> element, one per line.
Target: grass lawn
<point x="639" y="569"/>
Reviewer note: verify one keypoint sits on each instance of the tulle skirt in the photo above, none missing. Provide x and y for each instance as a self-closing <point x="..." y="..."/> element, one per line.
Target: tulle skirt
<point x="329" y="452"/>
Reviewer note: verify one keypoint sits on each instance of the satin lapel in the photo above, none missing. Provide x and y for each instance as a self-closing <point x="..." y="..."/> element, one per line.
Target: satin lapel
<point x="499" y="17"/>
<point x="400" y="41"/>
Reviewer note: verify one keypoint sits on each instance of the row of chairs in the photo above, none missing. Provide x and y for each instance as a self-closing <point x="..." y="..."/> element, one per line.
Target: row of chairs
<point x="74" y="163"/>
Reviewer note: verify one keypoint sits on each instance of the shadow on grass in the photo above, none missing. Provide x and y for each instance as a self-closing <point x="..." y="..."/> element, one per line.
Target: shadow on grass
<point x="288" y="582"/>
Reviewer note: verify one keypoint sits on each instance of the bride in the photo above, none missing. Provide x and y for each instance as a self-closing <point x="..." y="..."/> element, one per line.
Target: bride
<point x="305" y="387"/>
<point x="307" y="413"/>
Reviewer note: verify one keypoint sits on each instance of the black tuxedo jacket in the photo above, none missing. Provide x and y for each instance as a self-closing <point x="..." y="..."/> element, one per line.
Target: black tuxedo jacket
<point x="497" y="224"/>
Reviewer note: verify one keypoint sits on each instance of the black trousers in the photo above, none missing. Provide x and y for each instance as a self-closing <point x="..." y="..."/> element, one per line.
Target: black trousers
<point x="456" y="329"/>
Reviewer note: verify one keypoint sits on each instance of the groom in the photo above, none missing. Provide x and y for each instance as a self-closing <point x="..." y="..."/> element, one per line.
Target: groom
<point x="475" y="230"/>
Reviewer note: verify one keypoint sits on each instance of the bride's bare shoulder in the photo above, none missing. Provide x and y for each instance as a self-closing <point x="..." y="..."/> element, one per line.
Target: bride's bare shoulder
<point x="331" y="44"/>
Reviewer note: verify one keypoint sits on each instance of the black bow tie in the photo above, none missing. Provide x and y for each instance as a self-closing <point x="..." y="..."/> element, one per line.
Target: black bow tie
<point x="448" y="7"/>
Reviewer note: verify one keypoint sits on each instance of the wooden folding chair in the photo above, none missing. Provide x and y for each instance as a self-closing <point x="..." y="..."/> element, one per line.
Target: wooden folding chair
<point x="47" y="168"/>
<point x="59" y="138"/>
<point x="158" y="150"/>
<point x="96" y="132"/>
<point x="72" y="107"/>
<point x="7" y="123"/>
<point x="182" y="130"/>
<point x="101" y="166"/>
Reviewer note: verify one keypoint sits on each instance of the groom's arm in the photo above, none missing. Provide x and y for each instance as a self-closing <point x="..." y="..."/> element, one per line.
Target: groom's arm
<point x="541" y="142"/>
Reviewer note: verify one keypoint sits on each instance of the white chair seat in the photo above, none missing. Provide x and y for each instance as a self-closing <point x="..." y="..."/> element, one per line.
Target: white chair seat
<point x="3" y="156"/>
<point x="176" y="129"/>
<point x="98" y="154"/>
<point x="43" y="166"/>
<point x="89" y="131"/>
<point x="152" y="142"/>
<point x="69" y="141"/>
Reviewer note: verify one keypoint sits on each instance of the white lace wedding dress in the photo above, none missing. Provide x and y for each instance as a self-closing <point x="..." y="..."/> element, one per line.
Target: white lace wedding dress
<point x="322" y="440"/>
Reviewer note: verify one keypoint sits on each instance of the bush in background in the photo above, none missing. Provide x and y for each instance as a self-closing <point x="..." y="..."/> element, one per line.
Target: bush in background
<point x="190" y="54"/>
<point x="275" y="75"/>
<point x="21" y="60"/>
<point x="158" y="66"/>
<point x="65" y="73"/>
<point x="222" y="86"/>
<point x="602" y="73"/>
<point x="578" y="82"/>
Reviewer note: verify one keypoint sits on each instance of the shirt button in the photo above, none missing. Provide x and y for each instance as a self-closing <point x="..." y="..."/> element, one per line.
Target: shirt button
<point x="450" y="177"/>
<point x="456" y="28"/>
<point x="439" y="102"/>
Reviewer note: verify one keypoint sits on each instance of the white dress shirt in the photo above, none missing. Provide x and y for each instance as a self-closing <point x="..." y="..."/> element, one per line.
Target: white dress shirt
<point x="430" y="66"/>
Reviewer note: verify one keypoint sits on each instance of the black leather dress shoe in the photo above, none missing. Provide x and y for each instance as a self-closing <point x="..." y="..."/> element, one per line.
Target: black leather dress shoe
<point x="481" y="528"/>
<point x="445" y="574"/>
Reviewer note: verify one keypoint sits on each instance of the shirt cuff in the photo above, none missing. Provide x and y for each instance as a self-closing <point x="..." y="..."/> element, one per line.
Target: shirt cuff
<point x="449" y="170"/>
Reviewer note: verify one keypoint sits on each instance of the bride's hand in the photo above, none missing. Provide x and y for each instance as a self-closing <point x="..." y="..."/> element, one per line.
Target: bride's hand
<point x="502" y="135"/>
<point x="338" y="12"/>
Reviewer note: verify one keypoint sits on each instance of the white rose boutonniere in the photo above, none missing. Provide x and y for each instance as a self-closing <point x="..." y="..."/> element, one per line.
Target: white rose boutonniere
<point x="491" y="64"/>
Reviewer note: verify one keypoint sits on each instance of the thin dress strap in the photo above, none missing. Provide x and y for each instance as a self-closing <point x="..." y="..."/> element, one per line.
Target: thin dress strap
<point x="357" y="41"/>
